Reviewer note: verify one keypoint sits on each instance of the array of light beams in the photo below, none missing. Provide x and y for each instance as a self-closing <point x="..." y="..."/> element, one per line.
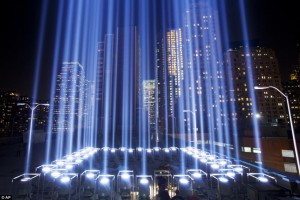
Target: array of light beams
<point x="70" y="176"/>
<point x="136" y="74"/>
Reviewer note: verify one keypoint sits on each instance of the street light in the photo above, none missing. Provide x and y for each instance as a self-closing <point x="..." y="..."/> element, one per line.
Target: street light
<point x="33" y="108"/>
<point x="30" y="130"/>
<point x="194" y="123"/>
<point x="290" y="119"/>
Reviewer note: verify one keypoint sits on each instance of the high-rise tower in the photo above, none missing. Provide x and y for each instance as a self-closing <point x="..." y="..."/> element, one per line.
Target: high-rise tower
<point x="69" y="107"/>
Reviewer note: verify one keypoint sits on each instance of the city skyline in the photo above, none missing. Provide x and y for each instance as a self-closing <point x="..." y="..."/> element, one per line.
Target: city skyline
<point x="19" y="49"/>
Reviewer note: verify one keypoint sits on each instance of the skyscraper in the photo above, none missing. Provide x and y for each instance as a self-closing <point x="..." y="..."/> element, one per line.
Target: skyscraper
<point x="149" y="106"/>
<point x="104" y="87"/>
<point x="292" y="89"/>
<point x="69" y="108"/>
<point x="8" y="103"/>
<point x="204" y="88"/>
<point x="271" y="105"/>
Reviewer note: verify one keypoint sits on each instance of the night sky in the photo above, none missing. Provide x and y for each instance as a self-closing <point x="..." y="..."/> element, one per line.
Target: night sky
<point x="275" y="24"/>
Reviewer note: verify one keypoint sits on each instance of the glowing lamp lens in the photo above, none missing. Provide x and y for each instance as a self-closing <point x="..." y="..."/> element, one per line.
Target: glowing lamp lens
<point x="69" y="158"/>
<point x="55" y="174"/>
<point x="65" y="179"/>
<point x="125" y="176"/>
<point x="90" y="175"/>
<point x="139" y="149"/>
<point x="148" y="150"/>
<point x="223" y="162"/>
<point x="78" y="161"/>
<point x="104" y="181"/>
<point x="196" y="175"/>
<point x="183" y="181"/>
<point x="215" y="166"/>
<point x="230" y="174"/>
<point x="203" y="160"/>
<point x="68" y="166"/>
<point x="144" y="181"/>
<point x="262" y="179"/>
<point x="25" y="179"/>
<point x="105" y="149"/>
<point x="130" y="150"/>
<point x="211" y="158"/>
<point x="156" y="149"/>
<point x="195" y="155"/>
<point x="60" y="163"/>
<point x="238" y="169"/>
<point x="46" y="169"/>
<point x="223" y="180"/>
<point x="113" y="150"/>
<point x="122" y="149"/>
<point x="167" y="150"/>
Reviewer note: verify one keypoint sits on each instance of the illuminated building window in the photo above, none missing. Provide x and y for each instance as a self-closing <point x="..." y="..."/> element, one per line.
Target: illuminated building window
<point x="246" y="149"/>
<point x="287" y="153"/>
<point x="290" y="167"/>
<point x="256" y="150"/>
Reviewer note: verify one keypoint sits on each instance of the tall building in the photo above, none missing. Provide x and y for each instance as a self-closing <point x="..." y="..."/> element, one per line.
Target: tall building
<point x="161" y="80"/>
<point x="175" y="77"/>
<point x="204" y="88"/>
<point x="129" y="84"/>
<point x="292" y="89"/>
<point x="271" y="104"/>
<point x="8" y="104"/>
<point x="149" y="103"/>
<point x="104" y="81"/>
<point x="170" y="74"/>
<point x="69" y="107"/>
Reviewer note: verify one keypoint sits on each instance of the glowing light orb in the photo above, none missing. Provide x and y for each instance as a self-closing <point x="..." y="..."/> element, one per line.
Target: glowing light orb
<point x="69" y="166"/>
<point x="238" y="169"/>
<point x="90" y="175"/>
<point x="215" y="166"/>
<point x="144" y="181"/>
<point x="65" y="179"/>
<point x="55" y="174"/>
<point x="104" y="181"/>
<point x="223" y="162"/>
<point x="25" y="179"/>
<point x="125" y="176"/>
<point x="46" y="169"/>
<point x="223" y="180"/>
<point x="139" y="148"/>
<point x="230" y="174"/>
<point x="196" y="175"/>
<point x="183" y="181"/>
<point x="263" y="179"/>
<point x="156" y="148"/>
